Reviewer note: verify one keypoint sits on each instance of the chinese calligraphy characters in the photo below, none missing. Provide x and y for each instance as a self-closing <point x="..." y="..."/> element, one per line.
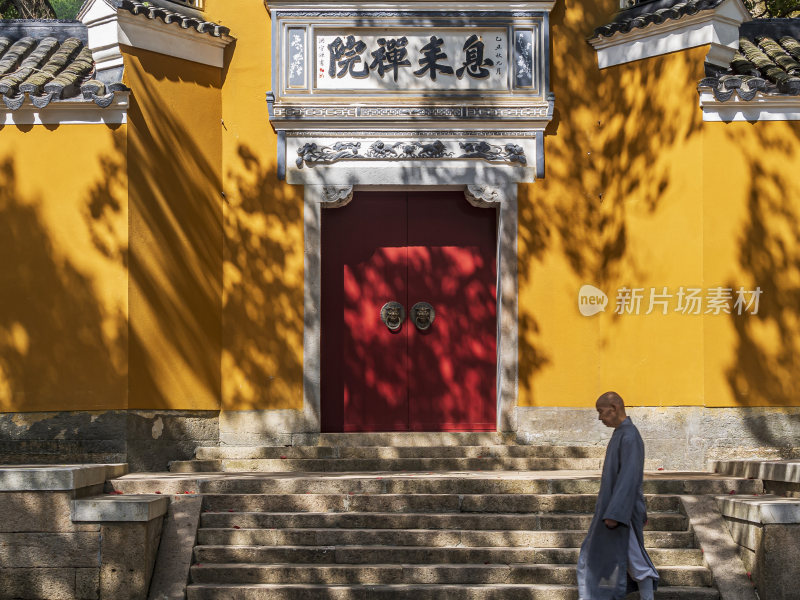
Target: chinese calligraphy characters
<point x="431" y="55"/>
<point x="475" y="65"/>
<point x="427" y="57"/>
<point x="391" y="55"/>
<point x="345" y="57"/>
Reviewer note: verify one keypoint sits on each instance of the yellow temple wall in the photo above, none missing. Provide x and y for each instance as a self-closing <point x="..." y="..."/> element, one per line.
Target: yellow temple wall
<point x="641" y="193"/>
<point x="751" y="225"/>
<point x="621" y="205"/>
<point x="262" y="358"/>
<point x="636" y="194"/>
<point x="159" y="264"/>
<point x="63" y="282"/>
<point x="176" y="198"/>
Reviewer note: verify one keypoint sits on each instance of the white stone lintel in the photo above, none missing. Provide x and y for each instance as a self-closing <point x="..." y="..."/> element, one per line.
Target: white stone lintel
<point x="760" y="108"/>
<point x="718" y="28"/>
<point x="428" y="173"/>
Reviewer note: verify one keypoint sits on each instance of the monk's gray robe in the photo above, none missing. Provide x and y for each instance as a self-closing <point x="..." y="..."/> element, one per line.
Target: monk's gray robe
<point x="603" y="561"/>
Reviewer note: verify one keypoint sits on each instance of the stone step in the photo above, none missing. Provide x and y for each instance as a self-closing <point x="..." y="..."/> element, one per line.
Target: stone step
<point x="267" y="591"/>
<point x="415" y="438"/>
<point x="394" y="574"/>
<point x="786" y="470"/>
<point x="344" y="465"/>
<point x="428" y="482"/>
<point x="420" y="537"/>
<point x="438" y="503"/>
<point x="418" y="555"/>
<point x="657" y="521"/>
<point x="379" y="452"/>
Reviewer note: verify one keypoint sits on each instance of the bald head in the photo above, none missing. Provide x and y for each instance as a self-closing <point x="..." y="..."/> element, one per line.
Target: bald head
<point x="611" y="409"/>
<point x="612" y="398"/>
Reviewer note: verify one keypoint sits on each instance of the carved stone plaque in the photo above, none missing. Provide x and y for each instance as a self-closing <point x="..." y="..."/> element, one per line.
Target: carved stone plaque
<point x="374" y="73"/>
<point x="411" y="60"/>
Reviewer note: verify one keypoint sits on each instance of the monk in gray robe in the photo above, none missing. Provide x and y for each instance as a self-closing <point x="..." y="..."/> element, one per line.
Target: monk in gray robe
<point x="613" y="560"/>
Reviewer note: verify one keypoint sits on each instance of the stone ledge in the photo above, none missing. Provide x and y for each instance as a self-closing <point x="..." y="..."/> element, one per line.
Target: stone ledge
<point x="760" y="510"/>
<point x="38" y="478"/>
<point x="770" y="470"/>
<point x="119" y="508"/>
<point x="719" y="550"/>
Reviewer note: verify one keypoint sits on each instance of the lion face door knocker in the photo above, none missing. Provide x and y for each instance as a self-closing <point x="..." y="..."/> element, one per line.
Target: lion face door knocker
<point x="422" y="314"/>
<point x="393" y="314"/>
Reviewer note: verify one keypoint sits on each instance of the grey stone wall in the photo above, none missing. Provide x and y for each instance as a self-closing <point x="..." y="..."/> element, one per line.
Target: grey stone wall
<point x="43" y="554"/>
<point x="146" y="440"/>
<point x="676" y="437"/>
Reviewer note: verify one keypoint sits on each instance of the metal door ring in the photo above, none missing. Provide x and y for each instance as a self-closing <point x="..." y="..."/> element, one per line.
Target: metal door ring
<point x="393" y="314"/>
<point x="423" y="315"/>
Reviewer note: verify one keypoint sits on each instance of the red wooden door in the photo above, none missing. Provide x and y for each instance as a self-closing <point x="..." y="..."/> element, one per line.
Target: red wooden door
<point x="409" y="248"/>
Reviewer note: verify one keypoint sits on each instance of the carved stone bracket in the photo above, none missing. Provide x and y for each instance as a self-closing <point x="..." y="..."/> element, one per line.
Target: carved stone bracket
<point x="334" y="196"/>
<point x="483" y="196"/>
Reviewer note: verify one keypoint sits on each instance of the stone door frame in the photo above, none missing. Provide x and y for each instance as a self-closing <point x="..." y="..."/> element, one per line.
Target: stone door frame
<point x="503" y="197"/>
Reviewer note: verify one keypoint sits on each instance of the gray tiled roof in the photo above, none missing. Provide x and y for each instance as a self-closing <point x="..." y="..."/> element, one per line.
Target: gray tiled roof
<point x="768" y="61"/>
<point x="47" y="64"/>
<point x="648" y="12"/>
<point x="152" y="11"/>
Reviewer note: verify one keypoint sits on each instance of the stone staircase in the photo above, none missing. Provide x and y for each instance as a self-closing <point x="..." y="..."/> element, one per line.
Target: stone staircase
<point x="394" y="452"/>
<point x="422" y="516"/>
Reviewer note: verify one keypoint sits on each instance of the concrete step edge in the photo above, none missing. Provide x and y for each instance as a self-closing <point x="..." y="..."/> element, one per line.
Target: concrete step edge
<point x="378" y="514"/>
<point x="414" y="538"/>
<point x="459" y="566"/>
<point x="368" y="547"/>
<point x="374" y="452"/>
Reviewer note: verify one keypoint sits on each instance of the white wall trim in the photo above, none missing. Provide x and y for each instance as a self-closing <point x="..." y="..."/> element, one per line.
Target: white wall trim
<point x="169" y="39"/>
<point x="100" y="18"/>
<point x="718" y="28"/>
<point x="109" y="27"/>
<point x="760" y="108"/>
<point x="77" y="112"/>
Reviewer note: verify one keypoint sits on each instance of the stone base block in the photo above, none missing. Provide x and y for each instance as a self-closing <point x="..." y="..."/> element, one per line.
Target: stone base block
<point x="22" y="550"/>
<point x="127" y="557"/>
<point x="767" y="530"/>
<point x="50" y="583"/>
<point x="42" y="511"/>
<point x="147" y="440"/>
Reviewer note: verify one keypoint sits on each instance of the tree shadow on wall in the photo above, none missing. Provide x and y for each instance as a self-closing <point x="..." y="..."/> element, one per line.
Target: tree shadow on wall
<point x="608" y="152"/>
<point x="58" y="345"/>
<point x="175" y="231"/>
<point x="766" y="367"/>
<point x="263" y="295"/>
